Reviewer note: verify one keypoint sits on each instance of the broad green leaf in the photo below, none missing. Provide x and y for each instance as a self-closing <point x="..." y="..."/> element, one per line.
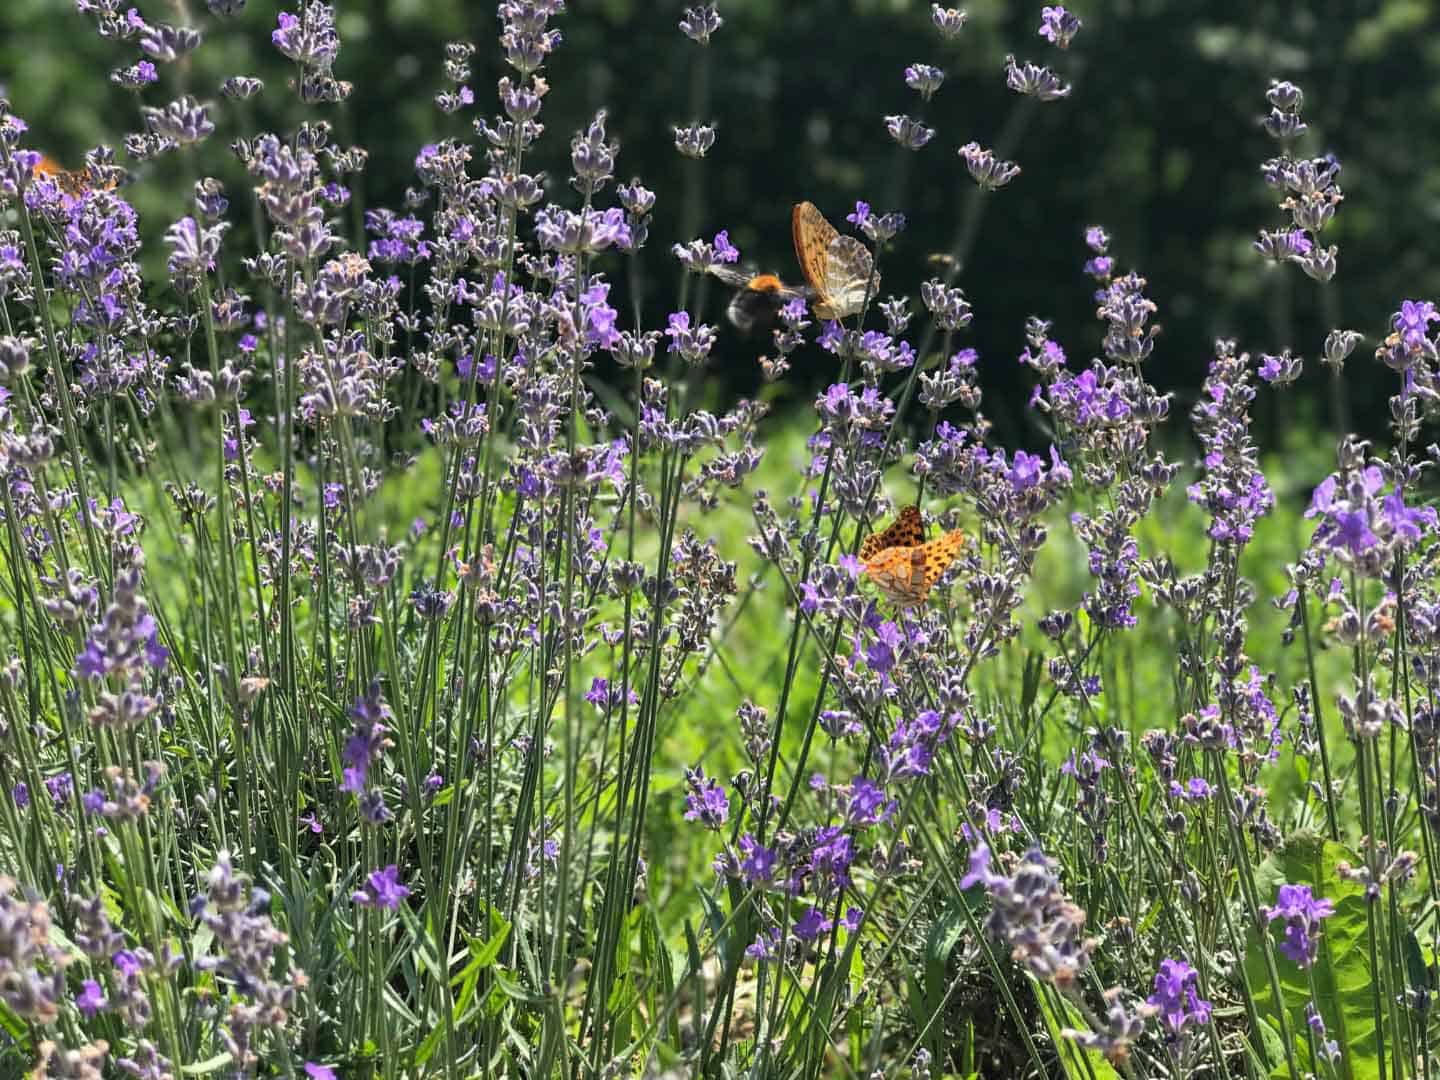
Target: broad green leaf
<point x="16" y="1027"/>
<point x="1417" y="973"/>
<point x="485" y="952"/>
<point x="940" y="942"/>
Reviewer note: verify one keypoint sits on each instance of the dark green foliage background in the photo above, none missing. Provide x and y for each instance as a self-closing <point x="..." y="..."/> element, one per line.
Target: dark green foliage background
<point x="1159" y="142"/>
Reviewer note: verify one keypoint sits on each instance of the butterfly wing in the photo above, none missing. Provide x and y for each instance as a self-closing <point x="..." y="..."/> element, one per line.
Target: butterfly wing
<point x="905" y="575"/>
<point x="899" y="574"/>
<point x="848" y="266"/>
<point x="906" y="530"/>
<point x="939" y="554"/>
<point x="72" y="182"/>
<point x="48" y="166"/>
<point x="812" y="236"/>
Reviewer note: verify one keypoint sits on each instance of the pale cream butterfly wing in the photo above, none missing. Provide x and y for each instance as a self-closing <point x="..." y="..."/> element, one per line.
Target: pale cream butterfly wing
<point x="848" y="269"/>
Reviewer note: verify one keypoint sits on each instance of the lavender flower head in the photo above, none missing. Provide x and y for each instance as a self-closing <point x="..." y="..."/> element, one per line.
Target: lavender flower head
<point x="1030" y="912"/>
<point x="1302" y="913"/>
<point x="1058" y="26"/>
<point x="1177" y="997"/>
<point x="990" y="172"/>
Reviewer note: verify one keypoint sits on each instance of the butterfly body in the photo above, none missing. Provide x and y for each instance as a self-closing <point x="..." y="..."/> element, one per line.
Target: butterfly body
<point x="839" y="268"/>
<point x="902" y="565"/>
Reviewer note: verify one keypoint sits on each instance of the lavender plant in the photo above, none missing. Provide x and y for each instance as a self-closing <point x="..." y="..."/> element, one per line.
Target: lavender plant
<point x="370" y="596"/>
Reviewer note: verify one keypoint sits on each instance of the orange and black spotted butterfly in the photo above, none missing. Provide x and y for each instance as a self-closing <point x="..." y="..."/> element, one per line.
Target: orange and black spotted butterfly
<point x="903" y="566"/>
<point x="839" y="268"/>
<point x="758" y="298"/>
<point x="906" y="530"/>
<point x="71" y="182"/>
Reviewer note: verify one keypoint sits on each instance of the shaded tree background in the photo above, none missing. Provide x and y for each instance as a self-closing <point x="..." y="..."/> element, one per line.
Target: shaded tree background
<point x="1159" y="142"/>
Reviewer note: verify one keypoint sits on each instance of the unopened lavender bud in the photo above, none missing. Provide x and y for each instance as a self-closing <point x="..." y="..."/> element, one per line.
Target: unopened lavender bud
<point x="700" y="23"/>
<point x="909" y="133"/>
<point x="1285" y="96"/>
<point x="14" y="359"/>
<point x="1339" y="344"/>
<point x="986" y="169"/>
<point x="1035" y="81"/>
<point x="949" y="21"/>
<point x="1283" y="125"/>
<point x="694" y="141"/>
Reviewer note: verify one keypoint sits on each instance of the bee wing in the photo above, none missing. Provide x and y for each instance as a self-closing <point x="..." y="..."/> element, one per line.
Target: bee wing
<point x="732" y="276"/>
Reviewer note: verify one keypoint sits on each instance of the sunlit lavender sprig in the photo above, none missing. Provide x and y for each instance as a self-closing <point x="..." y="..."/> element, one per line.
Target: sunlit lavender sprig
<point x="250" y="955"/>
<point x="701" y="22"/>
<point x="1059" y="26"/>
<point x="990" y="172"/>
<point x="1031" y="913"/>
<point x="1181" y="1011"/>
<point x="1310" y="194"/>
<point x="948" y="21"/>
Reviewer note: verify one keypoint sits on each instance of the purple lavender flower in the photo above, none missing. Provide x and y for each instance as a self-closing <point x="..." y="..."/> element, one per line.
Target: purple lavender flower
<point x="310" y="40"/>
<point x="60" y="788"/>
<point x="924" y="79"/>
<point x="695" y="140"/>
<point x="383" y="889"/>
<point x="693" y="344"/>
<point x="1412" y="322"/>
<point x="367" y="742"/>
<point x="1177" y="997"/>
<point x="1058" y="26"/>
<point x="700" y="23"/>
<point x="135" y="77"/>
<point x="908" y="132"/>
<point x="1035" y="81"/>
<point x="180" y="123"/>
<point x="1363" y="526"/>
<point x="706" y="802"/>
<point x="241" y="87"/>
<point x="193" y="251"/>
<point x="949" y="21"/>
<point x="757" y="862"/>
<point x="1329" y="1049"/>
<point x="167" y="44"/>
<point x="1031" y="912"/>
<point x="1302" y="914"/>
<point x="91" y="999"/>
<point x="986" y="169"/>
<point x="588" y="233"/>
<point x="812" y="924"/>
<point x="1280" y="370"/>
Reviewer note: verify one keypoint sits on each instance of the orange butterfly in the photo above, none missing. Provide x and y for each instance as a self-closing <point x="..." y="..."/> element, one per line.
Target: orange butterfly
<point x="839" y="268"/>
<point x="71" y="182"/>
<point x="904" y="567"/>
<point x="758" y="299"/>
